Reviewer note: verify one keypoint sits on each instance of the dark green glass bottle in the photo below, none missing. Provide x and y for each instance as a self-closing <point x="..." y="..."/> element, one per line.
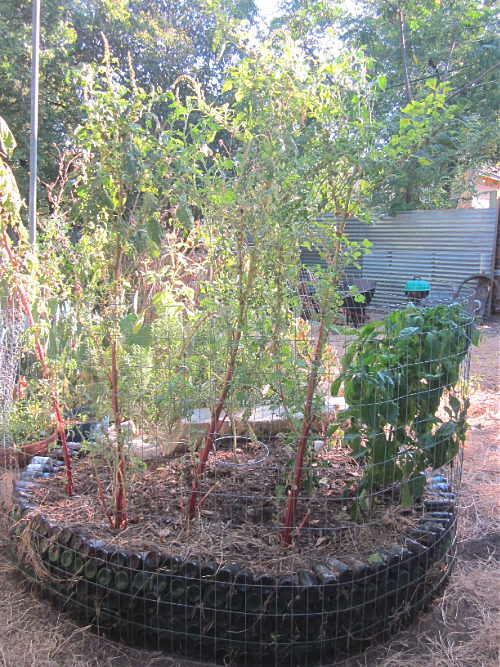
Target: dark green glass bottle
<point x="190" y="569"/>
<point x="82" y="590"/>
<point x="244" y="580"/>
<point x="215" y="596"/>
<point x="254" y="602"/>
<point x="98" y="592"/>
<point x="89" y="547"/>
<point x="308" y="589"/>
<point x="54" y="553"/>
<point x="327" y="580"/>
<point x="265" y="584"/>
<point x="112" y="600"/>
<point x="357" y="596"/>
<point x="133" y="560"/>
<point x="310" y="623"/>
<point x="277" y="606"/>
<point x="160" y="583"/>
<point x="158" y="623"/>
<point x="194" y="593"/>
<point x="298" y="607"/>
<point x="44" y="529"/>
<point x="286" y="587"/>
<point x="343" y="573"/>
<point x="141" y="580"/>
<point x="91" y="570"/>
<point x="67" y="558"/>
<point x="150" y="604"/>
<point x="172" y="563"/>
<point x="65" y="536"/>
<point x="43" y="547"/>
<point x="176" y="625"/>
<point x="403" y="579"/>
<point x="117" y="558"/>
<point x="178" y="588"/>
<point x="370" y="592"/>
<point x="209" y="569"/>
<point x="122" y="580"/>
<point x="152" y="560"/>
<point x="360" y="570"/>
<point x="105" y="576"/>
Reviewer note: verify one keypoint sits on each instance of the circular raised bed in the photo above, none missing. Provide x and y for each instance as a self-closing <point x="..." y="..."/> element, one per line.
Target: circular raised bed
<point x="374" y="533"/>
<point x="225" y="613"/>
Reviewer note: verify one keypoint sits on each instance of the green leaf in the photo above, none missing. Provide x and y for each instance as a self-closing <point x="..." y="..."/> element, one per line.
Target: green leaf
<point x="382" y="82"/>
<point x="228" y="85"/>
<point x="137" y="327"/>
<point x="445" y="141"/>
<point x="446" y="430"/>
<point x="103" y="198"/>
<point x="359" y="453"/>
<point x="475" y="336"/>
<point x="334" y="390"/>
<point x="144" y="337"/>
<point x="432" y="348"/>
<point x="454" y="404"/>
<point x="158" y="299"/>
<point x="368" y="329"/>
<point x="126" y="323"/>
<point x="238" y="96"/>
<point x="407" y="332"/>
<point x="184" y="215"/>
<point x="406" y="495"/>
<point x="155" y="231"/>
<point x="375" y="558"/>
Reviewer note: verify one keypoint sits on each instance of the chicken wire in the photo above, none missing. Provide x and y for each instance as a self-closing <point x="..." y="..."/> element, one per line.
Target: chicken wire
<point x="374" y="528"/>
<point x="11" y="334"/>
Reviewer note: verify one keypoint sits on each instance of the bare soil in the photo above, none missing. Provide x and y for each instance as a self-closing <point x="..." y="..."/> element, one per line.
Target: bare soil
<point x="462" y="630"/>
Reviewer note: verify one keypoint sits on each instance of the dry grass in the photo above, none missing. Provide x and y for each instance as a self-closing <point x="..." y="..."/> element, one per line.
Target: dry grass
<point x="462" y="630"/>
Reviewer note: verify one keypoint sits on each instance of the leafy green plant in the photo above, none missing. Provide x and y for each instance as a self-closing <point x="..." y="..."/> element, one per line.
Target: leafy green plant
<point x="401" y="380"/>
<point x="10" y="206"/>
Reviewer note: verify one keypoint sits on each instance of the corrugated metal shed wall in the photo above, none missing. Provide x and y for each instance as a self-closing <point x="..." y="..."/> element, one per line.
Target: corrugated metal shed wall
<point x="444" y="246"/>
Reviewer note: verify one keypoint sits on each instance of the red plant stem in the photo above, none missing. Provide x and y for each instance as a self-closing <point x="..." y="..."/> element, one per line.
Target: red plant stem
<point x="43" y="361"/>
<point x="206" y="496"/>
<point x="304" y="521"/>
<point x="121" y="518"/>
<point x="212" y="430"/>
<point x="215" y="424"/>
<point x="103" y="500"/>
<point x="301" y="450"/>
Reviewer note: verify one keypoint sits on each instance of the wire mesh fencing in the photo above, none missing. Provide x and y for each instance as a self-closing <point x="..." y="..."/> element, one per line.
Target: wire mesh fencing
<point x="221" y="509"/>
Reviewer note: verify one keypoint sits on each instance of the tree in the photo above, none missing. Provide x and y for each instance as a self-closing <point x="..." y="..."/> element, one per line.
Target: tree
<point x="164" y="38"/>
<point x="411" y="44"/>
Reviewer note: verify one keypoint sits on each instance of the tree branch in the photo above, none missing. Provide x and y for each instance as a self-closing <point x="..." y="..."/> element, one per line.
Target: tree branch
<point x="473" y="83"/>
<point x="448" y="60"/>
<point x="403" y="51"/>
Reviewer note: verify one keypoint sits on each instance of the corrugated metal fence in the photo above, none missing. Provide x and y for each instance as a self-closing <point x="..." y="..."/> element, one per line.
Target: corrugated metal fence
<point x="443" y="247"/>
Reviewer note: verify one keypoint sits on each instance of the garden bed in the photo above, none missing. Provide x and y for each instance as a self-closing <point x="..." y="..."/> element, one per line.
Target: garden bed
<point x="217" y="590"/>
<point x="230" y="521"/>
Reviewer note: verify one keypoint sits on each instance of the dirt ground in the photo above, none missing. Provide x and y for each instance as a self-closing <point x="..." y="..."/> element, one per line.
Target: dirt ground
<point x="462" y="629"/>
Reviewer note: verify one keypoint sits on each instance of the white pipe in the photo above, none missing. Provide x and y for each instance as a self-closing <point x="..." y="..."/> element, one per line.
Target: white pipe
<point x="34" y="119"/>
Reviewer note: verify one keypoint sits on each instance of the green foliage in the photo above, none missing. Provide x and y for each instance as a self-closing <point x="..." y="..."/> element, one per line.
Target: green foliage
<point x="164" y="42"/>
<point x="396" y="376"/>
<point x="446" y="44"/>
